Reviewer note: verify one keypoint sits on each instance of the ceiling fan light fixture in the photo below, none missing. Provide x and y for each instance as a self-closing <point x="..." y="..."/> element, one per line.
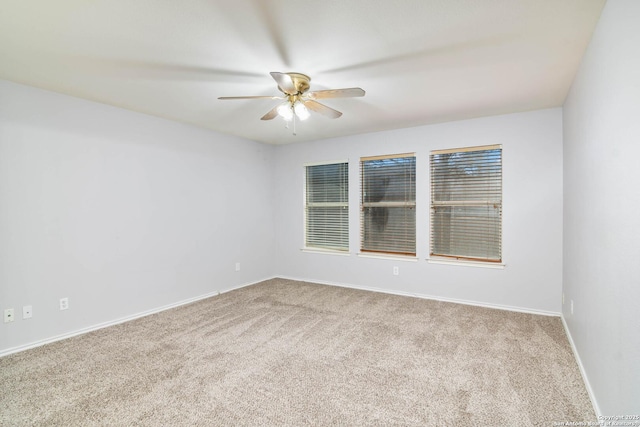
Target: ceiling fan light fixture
<point x="299" y="100"/>
<point x="285" y="111"/>
<point x="301" y="111"/>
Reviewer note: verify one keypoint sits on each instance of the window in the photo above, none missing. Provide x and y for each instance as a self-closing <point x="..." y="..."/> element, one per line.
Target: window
<point x="327" y="206"/>
<point x="466" y="203"/>
<point x="388" y="204"/>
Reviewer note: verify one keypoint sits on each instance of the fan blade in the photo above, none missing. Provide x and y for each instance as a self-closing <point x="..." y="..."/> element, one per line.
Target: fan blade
<point x="322" y="109"/>
<point x="156" y="70"/>
<point x="284" y="82"/>
<point x="274" y="23"/>
<point x="251" y="97"/>
<point x="336" y="93"/>
<point x="271" y="114"/>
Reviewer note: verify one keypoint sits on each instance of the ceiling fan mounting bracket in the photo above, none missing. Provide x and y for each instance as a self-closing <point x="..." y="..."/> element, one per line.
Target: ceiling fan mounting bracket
<point x="300" y="83"/>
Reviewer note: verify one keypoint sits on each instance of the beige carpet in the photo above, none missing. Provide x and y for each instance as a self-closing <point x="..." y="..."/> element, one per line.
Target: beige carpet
<point x="292" y="353"/>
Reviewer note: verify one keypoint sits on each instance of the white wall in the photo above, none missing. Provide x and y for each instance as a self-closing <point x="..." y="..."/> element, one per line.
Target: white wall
<point x="121" y="212"/>
<point x="532" y="212"/>
<point x="602" y="210"/>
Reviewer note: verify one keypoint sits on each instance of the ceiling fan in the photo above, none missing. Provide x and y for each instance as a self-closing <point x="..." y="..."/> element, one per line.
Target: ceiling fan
<point x="298" y="100"/>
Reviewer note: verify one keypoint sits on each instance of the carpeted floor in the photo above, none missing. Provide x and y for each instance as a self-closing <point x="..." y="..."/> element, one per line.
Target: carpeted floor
<point x="292" y="353"/>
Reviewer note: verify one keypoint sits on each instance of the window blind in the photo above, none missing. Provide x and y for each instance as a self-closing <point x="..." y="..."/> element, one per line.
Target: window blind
<point x="466" y="203"/>
<point x="327" y="206"/>
<point x="388" y="202"/>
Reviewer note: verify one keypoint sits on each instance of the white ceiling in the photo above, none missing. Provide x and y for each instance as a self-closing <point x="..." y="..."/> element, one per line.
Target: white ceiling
<point x="419" y="61"/>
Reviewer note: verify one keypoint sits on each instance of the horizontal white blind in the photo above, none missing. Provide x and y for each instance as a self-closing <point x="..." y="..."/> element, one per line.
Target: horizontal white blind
<point x="466" y="203"/>
<point x="388" y="202"/>
<point x="327" y="206"/>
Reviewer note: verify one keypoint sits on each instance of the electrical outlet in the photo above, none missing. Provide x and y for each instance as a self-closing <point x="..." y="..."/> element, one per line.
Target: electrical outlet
<point x="396" y="271"/>
<point x="27" y="312"/>
<point x="237" y="266"/>
<point x="64" y="303"/>
<point x="563" y="298"/>
<point x="8" y="315"/>
<point x="571" y="306"/>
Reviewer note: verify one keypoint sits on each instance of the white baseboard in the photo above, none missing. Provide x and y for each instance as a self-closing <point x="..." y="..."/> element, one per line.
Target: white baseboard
<point x="39" y="343"/>
<point x="592" y="396"/>
<point x="81" y="331"/>
<point x="430" y="297"/>
<point x="91" y="328"/>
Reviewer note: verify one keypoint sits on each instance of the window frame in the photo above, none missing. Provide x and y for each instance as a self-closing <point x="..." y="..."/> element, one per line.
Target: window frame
<point x="389" y="252"/>
<point x="328" y="248"/>
<point x="497" y="203"/>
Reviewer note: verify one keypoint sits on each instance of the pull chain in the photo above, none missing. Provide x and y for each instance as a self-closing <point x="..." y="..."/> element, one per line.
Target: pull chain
<point x="294" y="122"/>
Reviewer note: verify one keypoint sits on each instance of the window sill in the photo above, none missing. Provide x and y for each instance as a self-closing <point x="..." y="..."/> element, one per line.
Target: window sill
<point x="325" y="251"/>
<point x="389" y="256"/>
<point x="479" y="264"/>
